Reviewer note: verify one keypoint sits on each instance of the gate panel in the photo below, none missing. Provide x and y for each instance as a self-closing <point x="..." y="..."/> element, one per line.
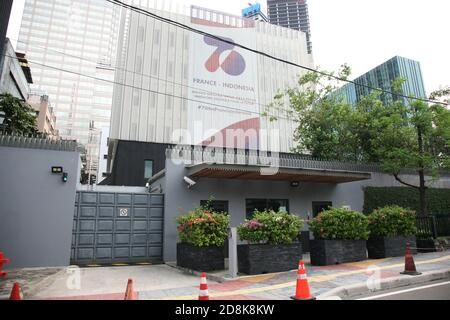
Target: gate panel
<point x="117" y="228"/>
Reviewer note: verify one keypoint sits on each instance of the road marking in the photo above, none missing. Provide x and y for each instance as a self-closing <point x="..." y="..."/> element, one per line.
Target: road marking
<point x="317" y="278"/>
<point x="404" y="291"/>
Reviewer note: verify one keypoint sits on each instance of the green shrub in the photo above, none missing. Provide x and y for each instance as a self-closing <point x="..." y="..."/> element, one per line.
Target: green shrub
<point x="392" y="221"/>
<point x="438" y="200"/>
<point x="340" y="224"/>
<point x="271" y="227"/>
<point x="203" y="228"/>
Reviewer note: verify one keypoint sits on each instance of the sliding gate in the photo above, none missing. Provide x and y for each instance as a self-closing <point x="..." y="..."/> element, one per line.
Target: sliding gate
<point x="111" y="228"/>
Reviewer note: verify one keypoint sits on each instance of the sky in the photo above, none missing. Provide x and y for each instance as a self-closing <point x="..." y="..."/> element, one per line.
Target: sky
<point x="361" y="33"/>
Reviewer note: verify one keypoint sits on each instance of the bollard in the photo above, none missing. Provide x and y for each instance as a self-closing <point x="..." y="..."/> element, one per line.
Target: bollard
<point x="232" y="253"/>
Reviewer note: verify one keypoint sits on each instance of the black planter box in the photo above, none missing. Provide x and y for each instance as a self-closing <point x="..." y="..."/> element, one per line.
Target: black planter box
<point x="329" y="252"/>
<point x="200" y="258"/>
<point x="267" y="258"/>
<point x="379" y="247"/>
<point x="426" y="245"/>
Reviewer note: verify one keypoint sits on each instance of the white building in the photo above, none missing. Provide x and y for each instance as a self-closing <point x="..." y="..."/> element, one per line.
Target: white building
<point x="68" y="43"/>
<point x="172" y="79"/>
<point x="103" y="155"/>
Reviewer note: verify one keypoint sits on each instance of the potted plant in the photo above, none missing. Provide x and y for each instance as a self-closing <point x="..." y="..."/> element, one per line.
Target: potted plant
<point x="425" y="241"/>
<point x="202" y="233"/>
<point x="272" y="242"/>
<point x="390" y="228"/>
<point x="339" y="236"/>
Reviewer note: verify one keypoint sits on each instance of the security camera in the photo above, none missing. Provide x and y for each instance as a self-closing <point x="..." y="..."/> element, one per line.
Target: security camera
<point x="189" y="181"/>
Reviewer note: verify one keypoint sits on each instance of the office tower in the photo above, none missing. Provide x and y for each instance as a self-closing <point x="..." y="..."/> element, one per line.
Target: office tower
<point x="290" y="14"/>
<point x="381" y="77"/>
<point x="255" y="12"/>
<point x="70" y="44"/>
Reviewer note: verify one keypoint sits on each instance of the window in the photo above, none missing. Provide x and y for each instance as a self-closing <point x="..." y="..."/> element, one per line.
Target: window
<point x="215" y="205"/>
<point x="320" y="206"/>
<point x="148" y="170"/>
<point x="262" y="204"/>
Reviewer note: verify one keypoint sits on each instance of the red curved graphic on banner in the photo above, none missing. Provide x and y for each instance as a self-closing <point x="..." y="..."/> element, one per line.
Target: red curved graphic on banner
<point x="242" y="135"/>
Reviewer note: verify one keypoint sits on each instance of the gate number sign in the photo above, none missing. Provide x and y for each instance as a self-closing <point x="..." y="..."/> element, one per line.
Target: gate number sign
<point x="123" y="212"/>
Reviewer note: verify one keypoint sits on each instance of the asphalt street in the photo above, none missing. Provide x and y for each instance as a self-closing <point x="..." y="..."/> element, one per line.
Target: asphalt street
<point x="431" y="291"/>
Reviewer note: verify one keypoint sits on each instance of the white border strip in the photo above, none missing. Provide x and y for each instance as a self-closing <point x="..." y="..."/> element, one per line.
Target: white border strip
<point x="404" y="291"/>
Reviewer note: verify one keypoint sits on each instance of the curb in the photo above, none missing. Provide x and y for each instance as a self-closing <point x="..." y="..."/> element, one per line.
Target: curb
<point x="212" y="277"/>
<point x="359" y="289"/>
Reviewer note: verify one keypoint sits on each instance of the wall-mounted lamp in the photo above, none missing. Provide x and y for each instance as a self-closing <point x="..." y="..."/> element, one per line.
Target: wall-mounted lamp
<point x="295" y="184"/>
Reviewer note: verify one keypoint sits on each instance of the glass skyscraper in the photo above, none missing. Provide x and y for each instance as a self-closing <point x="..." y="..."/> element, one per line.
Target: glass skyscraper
<point x="73" y="38"/>
<point x="291" y="14"/>
<point x="382" y="76"/>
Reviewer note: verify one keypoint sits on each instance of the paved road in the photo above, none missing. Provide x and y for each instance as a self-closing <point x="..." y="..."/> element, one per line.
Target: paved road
<point x="433" y="291"/>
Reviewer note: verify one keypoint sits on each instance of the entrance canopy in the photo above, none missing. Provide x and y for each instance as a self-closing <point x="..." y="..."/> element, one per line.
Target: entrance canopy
<point x="257" y="172"/>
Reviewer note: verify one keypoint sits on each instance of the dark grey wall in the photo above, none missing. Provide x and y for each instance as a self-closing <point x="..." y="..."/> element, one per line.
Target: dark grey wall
<point x="128" y="165"/>
<point x="36" y="207"/>
<point x="179" y="197"/>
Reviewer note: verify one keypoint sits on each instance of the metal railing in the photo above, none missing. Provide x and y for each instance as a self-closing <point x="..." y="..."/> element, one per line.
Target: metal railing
<point x="433" y="226"/>
<point x="192" y="155"/>
<point x="37" y="142"/>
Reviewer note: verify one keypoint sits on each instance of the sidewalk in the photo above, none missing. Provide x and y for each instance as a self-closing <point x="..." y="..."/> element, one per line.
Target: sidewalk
<point x="165" y="282"/>
<point x="281" y="286"/>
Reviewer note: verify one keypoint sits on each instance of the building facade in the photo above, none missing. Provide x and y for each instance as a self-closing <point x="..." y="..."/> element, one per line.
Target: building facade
<point x="103" y="155"/>
<point x="46" y="119"/>
<point x="239" y="185"/>
<point x="183" y="87"/>
<point x="5" y="12"/>
<point x="72" y="46"/>
<point x="292" y="14"/>
<point x="15" y="75"/>
<point x="382" y="76"/>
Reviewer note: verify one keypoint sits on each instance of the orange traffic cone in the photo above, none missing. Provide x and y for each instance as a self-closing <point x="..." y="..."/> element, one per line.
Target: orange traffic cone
<point x="410" y="266"/>
<point x="129" y="293"/>
<point x="16" y="293"/>
<point x="203" y="295"/>
<point x="302" y="291"/>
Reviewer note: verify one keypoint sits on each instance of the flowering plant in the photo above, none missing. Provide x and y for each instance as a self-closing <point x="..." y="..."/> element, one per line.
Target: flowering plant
<point x="271" y="227"/>
<point x="392" y="221"/>
<point x="202" y="227"/>
<point x="340" y="224"/>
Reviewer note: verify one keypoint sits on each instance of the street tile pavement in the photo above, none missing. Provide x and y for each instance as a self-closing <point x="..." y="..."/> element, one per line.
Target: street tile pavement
<point x="281" y="286"/>
<point x="29" y="279"/>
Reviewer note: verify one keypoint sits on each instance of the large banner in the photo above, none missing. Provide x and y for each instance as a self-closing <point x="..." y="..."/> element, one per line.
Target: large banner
<point x="223" y="85"/>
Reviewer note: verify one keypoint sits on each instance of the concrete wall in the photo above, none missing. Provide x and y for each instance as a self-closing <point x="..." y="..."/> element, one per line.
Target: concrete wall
<point x="179" y="197"/>
<point x="36" y="207"/>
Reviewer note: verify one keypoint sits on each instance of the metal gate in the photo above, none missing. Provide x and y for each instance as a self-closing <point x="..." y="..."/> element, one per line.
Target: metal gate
<point x="110" y="228"/>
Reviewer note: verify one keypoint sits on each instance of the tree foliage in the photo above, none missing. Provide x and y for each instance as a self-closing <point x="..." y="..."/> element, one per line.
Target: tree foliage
<point x="20" y="118"/>
<point x="403" y="134"/>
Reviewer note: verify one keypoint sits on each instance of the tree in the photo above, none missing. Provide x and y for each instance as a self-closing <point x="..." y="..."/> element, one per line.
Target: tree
<point x="19" y="116"/>
<point x="405" y="135"/>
